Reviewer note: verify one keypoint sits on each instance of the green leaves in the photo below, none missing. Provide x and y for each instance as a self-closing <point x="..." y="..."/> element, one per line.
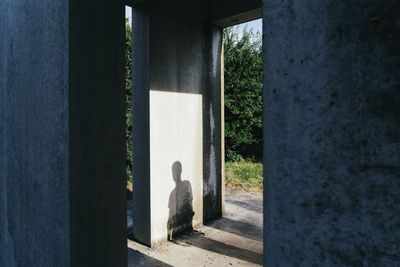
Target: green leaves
<point x="243" y="93"/>
<point x="128" y="98"/>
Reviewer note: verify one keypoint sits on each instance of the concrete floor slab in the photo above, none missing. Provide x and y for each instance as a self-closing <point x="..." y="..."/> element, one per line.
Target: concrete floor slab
<point x="235" y="240"/>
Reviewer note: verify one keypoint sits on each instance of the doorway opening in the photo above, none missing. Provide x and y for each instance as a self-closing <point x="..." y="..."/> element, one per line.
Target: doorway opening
<point x="243" y="109"/>
<point x="242" y="168"/>
<point x="237" y="237"/>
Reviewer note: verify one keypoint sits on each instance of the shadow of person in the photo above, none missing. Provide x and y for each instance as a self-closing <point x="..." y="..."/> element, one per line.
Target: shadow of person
<point x="180" y="204"/>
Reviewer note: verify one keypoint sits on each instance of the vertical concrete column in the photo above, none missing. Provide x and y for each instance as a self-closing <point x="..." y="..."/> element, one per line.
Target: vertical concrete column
<point x="62" y="181"/>
<point x="34" y="134"/>
<point x="331" y="127"/>
<point x="212" y="126"/>
<point x="176" y="119"/>
<point x="97" y="133"/>
<point x="3" y="32"/>
<point x="141" y="125"/>
<point x="3" y="71"/>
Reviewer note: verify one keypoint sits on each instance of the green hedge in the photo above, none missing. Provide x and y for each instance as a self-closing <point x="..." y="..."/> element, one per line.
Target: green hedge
<point x="128" y="98"/>
<point x="243" y="94"/>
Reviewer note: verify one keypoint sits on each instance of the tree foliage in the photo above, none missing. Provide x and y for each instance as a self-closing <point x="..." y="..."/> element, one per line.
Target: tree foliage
<point x="128" y="98"/>
<point x="243" y="93"/>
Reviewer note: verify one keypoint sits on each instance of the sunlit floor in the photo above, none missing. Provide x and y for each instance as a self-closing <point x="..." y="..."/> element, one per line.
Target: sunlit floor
<point x="235" y="240"/>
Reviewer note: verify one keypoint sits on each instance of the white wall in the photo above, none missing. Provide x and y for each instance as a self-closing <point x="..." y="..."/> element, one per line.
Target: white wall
<point x="176" y="134"/>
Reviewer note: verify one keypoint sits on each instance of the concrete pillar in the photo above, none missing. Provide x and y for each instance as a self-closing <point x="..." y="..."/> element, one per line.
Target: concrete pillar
<point x="141" y="126"/>
<point x="62" y="181"/>
<point x="176" y="118"/>
<point x="212" y="132"/>
<point x="331" y="127"/>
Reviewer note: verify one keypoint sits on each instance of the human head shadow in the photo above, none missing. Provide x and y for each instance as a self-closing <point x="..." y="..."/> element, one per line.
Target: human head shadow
<point x="180" y="204"/>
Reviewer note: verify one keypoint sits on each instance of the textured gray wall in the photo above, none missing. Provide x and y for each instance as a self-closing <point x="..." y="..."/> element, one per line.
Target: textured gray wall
<point x="332" y="138"/>
<point x="97" y="133"/>
<point x="212" y="154"/>
<point x="141" y="125"/>
<point x="34" y="162"/>
<point x="34" y="168"/>
<point x="3" y="219"/>
<point x="62" y="200"/>
<point x="3" y="68"/>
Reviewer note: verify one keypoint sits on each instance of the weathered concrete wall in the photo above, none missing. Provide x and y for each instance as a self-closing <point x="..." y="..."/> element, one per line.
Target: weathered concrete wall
<point x="3" y="219"/>
<point x="181" y="78"/>
<point x="212" y="155"/>
<point x="97" y="133"/>
<point x="62" y="182"/>
<point x="332" y="139"/>
<point x="141" y="126"/>
<point x="34" y="131"/>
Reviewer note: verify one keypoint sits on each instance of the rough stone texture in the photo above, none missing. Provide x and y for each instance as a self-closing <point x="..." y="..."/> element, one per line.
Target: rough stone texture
<point x="332" y="139"/>
<point x="62" y="182"/>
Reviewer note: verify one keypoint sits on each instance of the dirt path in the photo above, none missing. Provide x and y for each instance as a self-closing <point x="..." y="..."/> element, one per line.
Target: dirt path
<point x="235" y="240"/>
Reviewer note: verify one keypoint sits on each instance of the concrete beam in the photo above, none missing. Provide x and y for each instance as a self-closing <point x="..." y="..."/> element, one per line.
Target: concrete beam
<point x="133" y="3"/>
<point x="222" y="13"/>
<point x="225" y="13"/>
<point x="239" y="18"/>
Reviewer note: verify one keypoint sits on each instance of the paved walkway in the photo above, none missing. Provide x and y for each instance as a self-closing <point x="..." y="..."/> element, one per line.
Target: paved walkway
<point x="235" y="240"/>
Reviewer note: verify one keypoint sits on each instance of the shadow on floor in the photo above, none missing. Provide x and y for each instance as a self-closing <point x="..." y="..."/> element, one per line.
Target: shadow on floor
<point x="237" y="236"/>
<point x="246" y="205"/>
<point x="239" y="228"/>
<point x="197" y="239"/>
<point x="136" y="258"/>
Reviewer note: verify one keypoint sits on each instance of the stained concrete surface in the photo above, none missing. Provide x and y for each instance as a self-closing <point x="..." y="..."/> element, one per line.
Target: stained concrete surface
<point x="234" y="240"/>
<point x="332" y="139"/>
<point x="62" y="133"/>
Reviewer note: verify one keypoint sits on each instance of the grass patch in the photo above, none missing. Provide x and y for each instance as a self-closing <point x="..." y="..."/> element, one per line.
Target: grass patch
<point x="129" y="189"/>
<point x="244" y="175"/>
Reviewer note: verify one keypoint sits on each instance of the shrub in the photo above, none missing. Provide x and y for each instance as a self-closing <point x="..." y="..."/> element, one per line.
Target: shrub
<point x="128" y="98"/>
<point x="243" y="94"/>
